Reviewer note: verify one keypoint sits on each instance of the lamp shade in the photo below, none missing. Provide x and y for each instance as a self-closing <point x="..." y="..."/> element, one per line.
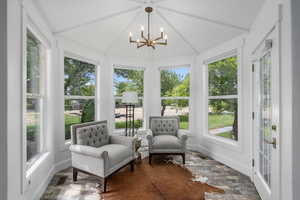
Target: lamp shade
<point x="130" y="98"/>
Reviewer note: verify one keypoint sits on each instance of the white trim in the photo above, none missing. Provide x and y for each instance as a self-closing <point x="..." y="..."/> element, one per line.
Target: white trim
<point x="119" y="66"/>
<point x="3" y="101"/>
<point x="36" y="31"/>
<point x="79" y="97"/>
<point x="174" y="98"/>
<point x="227" y="54"/>
<point x="170" y="67"/>
<point x="75" y="56"/>
<point x="220" y="141"/>
<point x="224" y="97"/>
<point x="120" y="98"/>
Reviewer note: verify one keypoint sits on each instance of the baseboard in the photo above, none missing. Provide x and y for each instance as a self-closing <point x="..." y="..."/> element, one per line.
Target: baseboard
<point x="62" y="165"/>
<point x="54" y="169"/>
<point x="223" y="159"/>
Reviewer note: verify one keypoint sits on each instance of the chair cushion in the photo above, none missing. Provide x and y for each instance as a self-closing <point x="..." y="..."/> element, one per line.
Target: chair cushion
<point x="116" y="153"/>
<point x="166" y="142"/>
<point x="164" y="125"/>
<point x="95" y="135"/>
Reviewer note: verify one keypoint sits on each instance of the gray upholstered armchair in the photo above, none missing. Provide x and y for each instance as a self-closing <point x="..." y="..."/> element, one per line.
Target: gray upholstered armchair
<point x="96" y="152"/>
<point x="164" y="137"/>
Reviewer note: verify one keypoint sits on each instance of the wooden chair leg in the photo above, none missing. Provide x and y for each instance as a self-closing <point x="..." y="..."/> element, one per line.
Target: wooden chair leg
<point x="132" y="166"/>
<point x="150" y="158"/>
<point x="75" y="173"/>
<point x="183" y="159"/>
<point x="104" y="184"/>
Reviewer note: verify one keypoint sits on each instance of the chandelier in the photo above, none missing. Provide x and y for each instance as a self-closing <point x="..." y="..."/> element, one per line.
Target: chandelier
<point x="147" y="41"/>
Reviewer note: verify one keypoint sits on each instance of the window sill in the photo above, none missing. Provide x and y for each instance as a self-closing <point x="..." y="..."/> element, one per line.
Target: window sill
<point x="38" y="160"/>
<point x="223" y="142"/>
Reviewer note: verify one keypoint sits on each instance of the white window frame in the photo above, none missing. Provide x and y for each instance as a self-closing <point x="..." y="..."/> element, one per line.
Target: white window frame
<point x="29" y="167"/>
<point x="41" y="97"/>
<point x="225" y="142"/>
<point x="176" y="98"/>
<point x="115" y="66"/>
<point x="70" y="55"/>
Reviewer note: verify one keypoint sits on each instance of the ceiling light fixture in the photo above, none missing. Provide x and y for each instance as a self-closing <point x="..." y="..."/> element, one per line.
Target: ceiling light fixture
<point x="147" y="41"/>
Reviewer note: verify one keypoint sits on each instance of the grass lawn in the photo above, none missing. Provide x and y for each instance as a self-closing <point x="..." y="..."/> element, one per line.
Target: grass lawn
<point x="226" y="135"/>
<point x="70" y="120"/>
<point x="220" y="120"/>
<point x="214" y="121"/>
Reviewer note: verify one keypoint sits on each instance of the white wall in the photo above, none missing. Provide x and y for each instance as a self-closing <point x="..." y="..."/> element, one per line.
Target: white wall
<point x="3" y="100"/>
<point x="296" y="95"/>
<point x="234" y="154"/>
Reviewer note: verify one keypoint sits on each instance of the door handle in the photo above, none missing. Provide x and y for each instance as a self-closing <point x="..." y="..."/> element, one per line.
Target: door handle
<point x="273" y="142"/>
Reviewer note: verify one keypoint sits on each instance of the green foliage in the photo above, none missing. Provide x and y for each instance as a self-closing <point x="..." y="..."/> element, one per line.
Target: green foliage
<point x="228" y="135"/>
<point x="137" y="124"/>
<point x="88" y="112"/>
<point x="172" y="85"/>
<point x="168" y="81"/>
<point x="222" y="77"/>
<point x="79" y="77"/>
<point x="134" y="81"/>
<point x="183" y="89"/>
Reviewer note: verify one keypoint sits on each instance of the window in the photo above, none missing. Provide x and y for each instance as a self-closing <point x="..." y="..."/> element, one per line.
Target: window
<point x="223" y="98"/>
<point x="175" y="94"/>
<point x="35" y="90"/>
<point x="80" y="83"/>
<point x="128" y="80"/>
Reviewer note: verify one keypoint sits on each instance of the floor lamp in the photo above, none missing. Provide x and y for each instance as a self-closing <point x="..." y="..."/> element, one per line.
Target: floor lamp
<point x="130" y="99"/>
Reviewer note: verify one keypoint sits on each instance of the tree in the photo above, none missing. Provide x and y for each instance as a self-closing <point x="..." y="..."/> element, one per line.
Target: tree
<point x="79" y="78"/>
<point x="168" y="81"/>
<point x="134" y="81"/>
<point x="223" y="81"/>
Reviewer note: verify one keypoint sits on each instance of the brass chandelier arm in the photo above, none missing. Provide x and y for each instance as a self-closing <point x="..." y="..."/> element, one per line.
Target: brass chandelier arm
<point x="139" y="46"/>
<point x="159" y="38"/>
<point x="161" y="43"/>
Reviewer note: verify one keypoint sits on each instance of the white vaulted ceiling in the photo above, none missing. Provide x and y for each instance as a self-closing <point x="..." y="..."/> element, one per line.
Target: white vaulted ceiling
<point x="192" y="25"/>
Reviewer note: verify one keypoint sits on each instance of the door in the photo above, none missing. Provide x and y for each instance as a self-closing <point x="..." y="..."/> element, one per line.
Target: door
<point x="266" y="118"/>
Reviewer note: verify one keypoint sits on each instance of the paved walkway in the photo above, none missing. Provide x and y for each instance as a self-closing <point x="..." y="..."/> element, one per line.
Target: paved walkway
<point x="217" y="131"/>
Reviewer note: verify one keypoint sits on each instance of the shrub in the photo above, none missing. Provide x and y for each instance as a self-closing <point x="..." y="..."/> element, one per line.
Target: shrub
<point x="88" y="112"/>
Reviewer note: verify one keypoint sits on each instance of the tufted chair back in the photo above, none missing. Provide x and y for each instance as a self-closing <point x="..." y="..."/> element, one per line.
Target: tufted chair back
<point x="93" y="134"/>
<point x="164" y="125"/>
